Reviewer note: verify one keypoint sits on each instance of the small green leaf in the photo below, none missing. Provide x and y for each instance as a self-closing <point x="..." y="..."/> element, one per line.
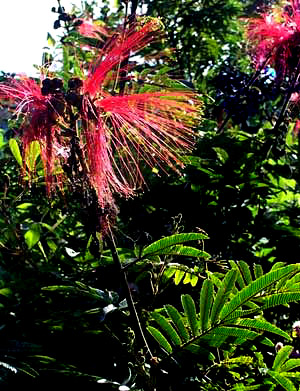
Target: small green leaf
<point x="281" y="357"/>
<point x="223" y="294"/>
<point x="32" y="236"/>
<point x="194" y="280"/>
<point x="239" y="277"/>
<point x="160" y="339"/>
<point x="32" y="155"/>
<point x="206" y="299"/>
<point x="178" y="276"/>
<point x="262" y="325"/>
<point x="290" y="364"/>
<point x="50" y="40"/>
<point x="178" y="321"/>
<point x="167" y="328"/>
<point x="14" y="147"/>
<point x="66" y="63"/>
<point x="24" y="205"/>
<point x="187" y="278"/>
<point x="169" y="272"/>
<point x="190" y="312"/>
<point x="282" y="381"/>
<point x="170" y="241"/>
<point x="222" y="154"/>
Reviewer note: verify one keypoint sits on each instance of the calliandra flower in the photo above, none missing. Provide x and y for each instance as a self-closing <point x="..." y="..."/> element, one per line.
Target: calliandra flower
<point x="118" y="132"/>
<point x="91" y="30"/>
<point x="275" y="38"/>
<point x="39" y="120"/>
<point x="151" y="127"/>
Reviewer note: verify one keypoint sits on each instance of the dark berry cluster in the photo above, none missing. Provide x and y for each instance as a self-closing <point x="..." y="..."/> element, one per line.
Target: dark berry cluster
<point x="62" y="17"/>
<point x="59" y="98"/>
<point x="73" y="96"/>
<point x="241" y="97"/>
<point x="52" y="86"/>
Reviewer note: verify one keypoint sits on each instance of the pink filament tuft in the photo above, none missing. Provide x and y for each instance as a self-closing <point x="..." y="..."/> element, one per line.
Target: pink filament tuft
<point x="92" y="30"/>
<point x="39" y="121"/>
<point x="275" y="37"/>
<point x="151" y="127"/>
<point x="115" y="51"/>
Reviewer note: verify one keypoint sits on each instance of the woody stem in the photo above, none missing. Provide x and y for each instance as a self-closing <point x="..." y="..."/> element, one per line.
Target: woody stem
<point x="287" y="99"/>
<point x="124" y="63"/>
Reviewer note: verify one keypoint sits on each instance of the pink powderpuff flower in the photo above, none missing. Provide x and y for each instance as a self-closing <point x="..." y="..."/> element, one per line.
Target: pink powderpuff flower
<point x="119" y="132"/>
<point x="90" y="29"/>
<point x="39" y="114"/>
<point x="131" y="128"/>
<point x="275" y="38"/>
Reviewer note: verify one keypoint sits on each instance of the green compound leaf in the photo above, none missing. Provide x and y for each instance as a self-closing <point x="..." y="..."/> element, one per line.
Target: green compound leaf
<point x="282" y="381"/>
<point x="161" y="246"/>
<point x="251" y="290"/>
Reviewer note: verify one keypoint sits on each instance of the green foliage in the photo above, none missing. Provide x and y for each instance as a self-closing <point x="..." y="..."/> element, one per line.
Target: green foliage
<point x="222" y="319"/>
<point x="15" y="151"/>
<point x="65" y="310"/>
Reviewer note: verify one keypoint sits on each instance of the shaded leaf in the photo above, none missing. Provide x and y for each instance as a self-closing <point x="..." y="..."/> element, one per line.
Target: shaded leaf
<point x="183" y="251"/>
<point x="223" y="294"/>
<point x="160" y="339"/>
<point x="178" y="321"/>
<point x="167" y="328"/>
<point x="258" y="270"/>
<point x="235" y="332"/>
<point x="32" y="236"/>
<point x="245" y="269"/>
<point x="200" y="350"/>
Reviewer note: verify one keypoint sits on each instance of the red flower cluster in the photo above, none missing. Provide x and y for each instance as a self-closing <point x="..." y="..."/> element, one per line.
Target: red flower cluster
<point x="275" y="38"/>
<point x="118" y="131"/>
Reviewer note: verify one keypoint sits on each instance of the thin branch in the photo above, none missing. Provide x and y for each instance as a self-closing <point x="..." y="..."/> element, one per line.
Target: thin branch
<point x="131" y="306"/>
